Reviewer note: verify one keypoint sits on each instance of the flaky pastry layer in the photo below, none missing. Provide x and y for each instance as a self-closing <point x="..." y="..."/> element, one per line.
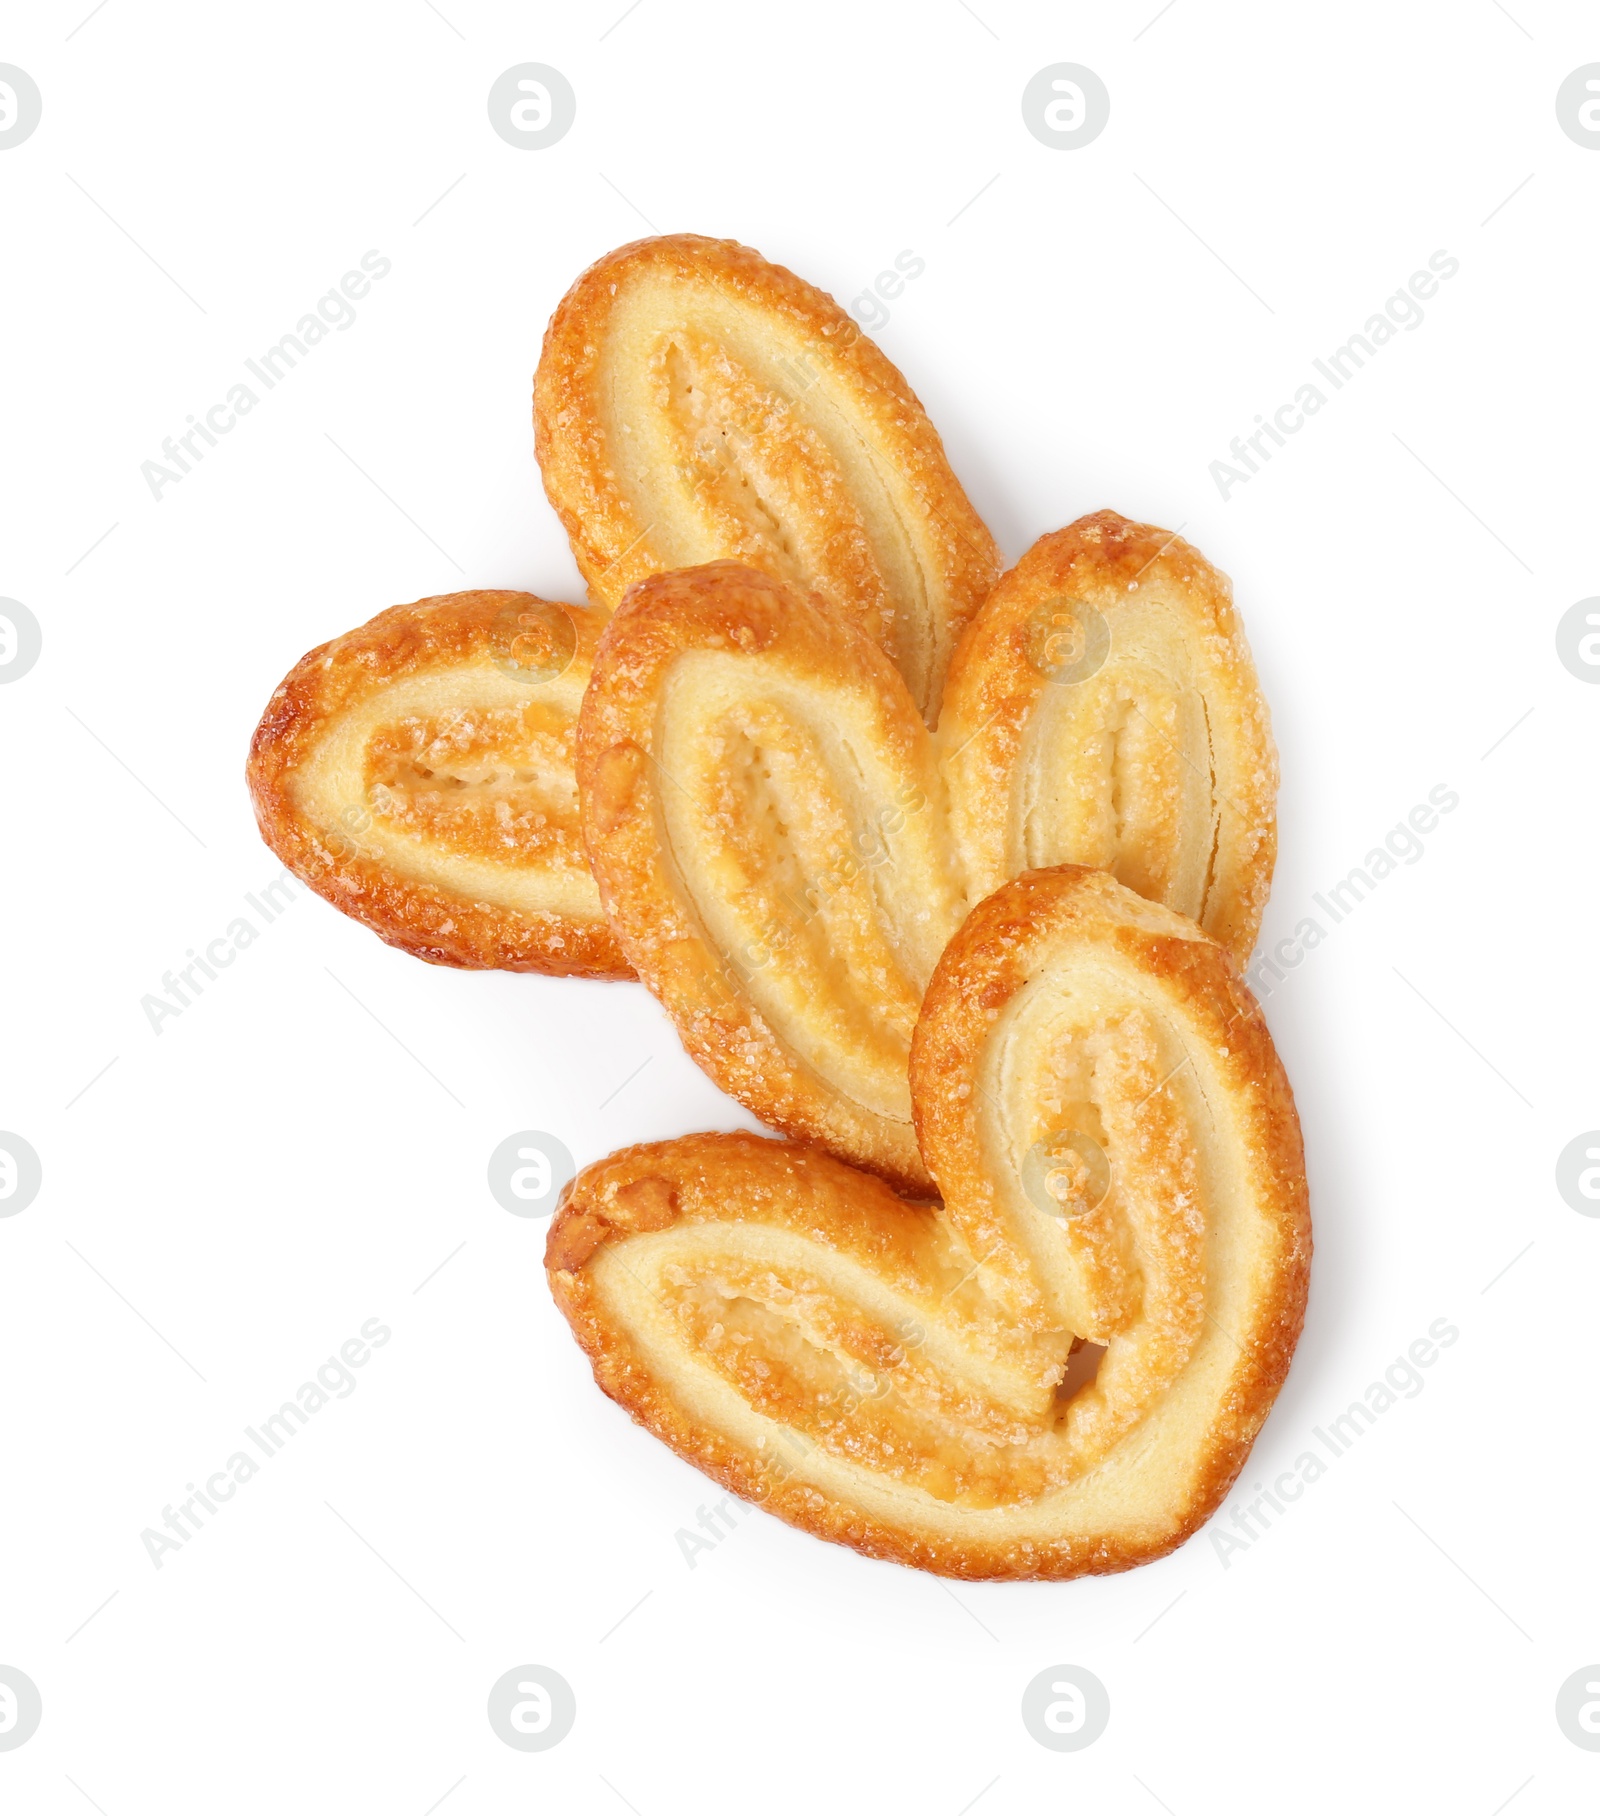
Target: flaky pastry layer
<point x="1103" y="709"/>
<point x="696" y="403"/>
<point x="783" y="849"/>
<point x="1059" y="1371"/>
<point x="418" y="774"/>
<point x="738" y="744"/>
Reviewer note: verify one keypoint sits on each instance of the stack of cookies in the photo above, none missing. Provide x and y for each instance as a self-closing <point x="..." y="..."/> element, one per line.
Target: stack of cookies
<point x="948" y="875"/>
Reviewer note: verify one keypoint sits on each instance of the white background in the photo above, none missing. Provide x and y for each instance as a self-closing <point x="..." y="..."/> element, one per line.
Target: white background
<point x="229" y="1202"/>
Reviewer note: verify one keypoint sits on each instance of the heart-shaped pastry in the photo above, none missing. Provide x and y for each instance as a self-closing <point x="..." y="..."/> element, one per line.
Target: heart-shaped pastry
<point x="1062" y="1369"/>
<point x="783" y="850"/>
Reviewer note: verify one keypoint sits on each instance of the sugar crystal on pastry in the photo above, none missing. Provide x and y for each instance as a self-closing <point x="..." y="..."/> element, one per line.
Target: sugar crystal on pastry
<point x="418" y="774"/>
<point x="696" y="403"/>
<point x="992" y="1387"/>
<point x="783" y="849"/>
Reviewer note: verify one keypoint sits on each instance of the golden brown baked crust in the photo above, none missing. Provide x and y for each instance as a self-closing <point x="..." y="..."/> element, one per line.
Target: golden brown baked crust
<point x="1061" y="1371"/>
<point x="760" y="809"/>
<point x="417" y="773"/>
<point x="1103" y="709"/>
<point x="695" y="403"/>
<point x="782" y="860"/>
<point x="692" y="401"/>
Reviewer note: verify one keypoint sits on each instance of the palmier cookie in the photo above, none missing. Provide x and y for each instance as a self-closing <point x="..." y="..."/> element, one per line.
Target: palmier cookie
<point x="1062" y="1369"/>
<point x="738" y="742"/>
<point x="783" y="851"/>
<point x="1103" y="709"/>
<point x="695" y="403"/>
<point x="418" y="773"/>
